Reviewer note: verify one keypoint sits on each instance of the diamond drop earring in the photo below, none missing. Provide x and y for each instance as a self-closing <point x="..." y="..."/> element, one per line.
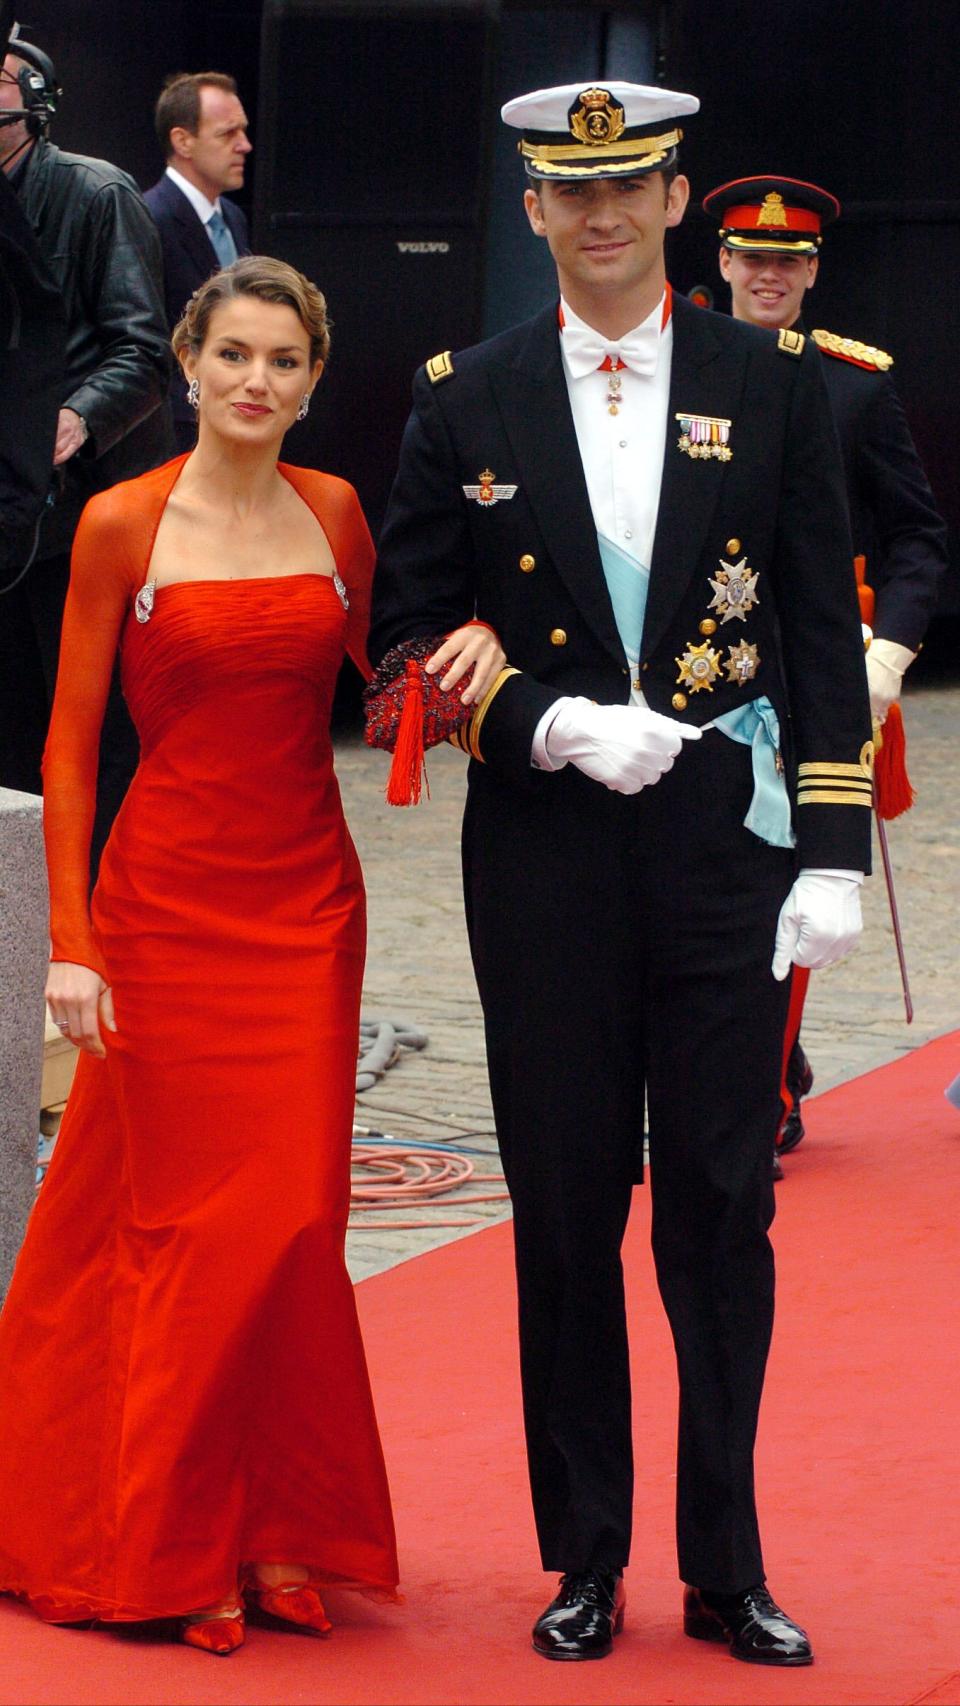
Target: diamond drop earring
<point x="304" y="406"/>
<point x="193" y="393"/>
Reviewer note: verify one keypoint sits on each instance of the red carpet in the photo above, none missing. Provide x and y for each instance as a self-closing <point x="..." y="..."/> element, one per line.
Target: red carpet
<point x="857" y="1473"/>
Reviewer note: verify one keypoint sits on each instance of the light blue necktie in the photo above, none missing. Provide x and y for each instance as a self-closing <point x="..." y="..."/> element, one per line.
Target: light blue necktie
<point x="223" y="243"/>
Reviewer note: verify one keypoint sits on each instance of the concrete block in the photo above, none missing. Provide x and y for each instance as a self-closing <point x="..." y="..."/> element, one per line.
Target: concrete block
<point x="24" y="950"/>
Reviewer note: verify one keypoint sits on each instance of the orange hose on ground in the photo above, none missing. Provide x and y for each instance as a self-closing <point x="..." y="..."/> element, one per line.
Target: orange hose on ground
<point x="408" y="1177"/>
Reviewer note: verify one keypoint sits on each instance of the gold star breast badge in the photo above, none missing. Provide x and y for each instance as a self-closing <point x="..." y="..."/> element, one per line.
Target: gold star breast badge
<point x="699" y="667"/>
<point x="742" y="664"/>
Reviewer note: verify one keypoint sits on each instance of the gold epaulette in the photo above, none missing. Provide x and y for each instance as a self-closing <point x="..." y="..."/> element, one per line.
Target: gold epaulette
<point x="440" y="367"/>
<point x="850" y="349"/>
<point x="790" y="342"/>
<point x="467" y="737"/>
<point x="828" y="784"/>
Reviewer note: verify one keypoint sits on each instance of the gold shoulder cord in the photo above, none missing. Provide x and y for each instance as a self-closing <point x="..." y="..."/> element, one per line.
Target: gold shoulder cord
<point x="866" y="355"/>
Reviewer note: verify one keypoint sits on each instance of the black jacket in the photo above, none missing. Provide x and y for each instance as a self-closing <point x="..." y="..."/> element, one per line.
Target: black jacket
<point x="188" y="259"/>
<point x="530" y="564"/>
<point x="31" y="381"/>
<point x="99" y="243"/>
<point x="893" y="516"/>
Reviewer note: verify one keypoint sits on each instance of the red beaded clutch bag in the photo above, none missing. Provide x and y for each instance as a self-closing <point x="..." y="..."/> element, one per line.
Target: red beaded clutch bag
<point x="407" y="712"/>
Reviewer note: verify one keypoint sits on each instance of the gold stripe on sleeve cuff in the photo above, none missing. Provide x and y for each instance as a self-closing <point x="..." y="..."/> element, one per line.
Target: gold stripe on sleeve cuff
<point x="834" y="797"/>
<point x="477" y="720"/>
<point x="847" y="772"/>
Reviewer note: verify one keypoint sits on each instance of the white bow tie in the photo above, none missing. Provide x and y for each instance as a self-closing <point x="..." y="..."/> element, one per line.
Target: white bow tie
<point x="584" y="350"/>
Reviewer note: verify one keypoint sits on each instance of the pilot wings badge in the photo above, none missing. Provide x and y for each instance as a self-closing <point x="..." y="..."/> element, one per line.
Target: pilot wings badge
<point x="486" y="492"/>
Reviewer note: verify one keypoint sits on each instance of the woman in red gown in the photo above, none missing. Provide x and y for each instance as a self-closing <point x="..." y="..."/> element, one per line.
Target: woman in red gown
<point x="186" y="1423"/>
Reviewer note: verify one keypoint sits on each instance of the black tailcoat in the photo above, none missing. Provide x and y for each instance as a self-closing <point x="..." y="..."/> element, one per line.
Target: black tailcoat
<point x="893" y="515"/>
<point x="622" y="945"/>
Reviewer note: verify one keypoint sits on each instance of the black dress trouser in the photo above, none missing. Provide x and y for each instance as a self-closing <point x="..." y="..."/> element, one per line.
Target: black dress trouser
<point x="622" y="948"/>
<point x="31" y="617"/>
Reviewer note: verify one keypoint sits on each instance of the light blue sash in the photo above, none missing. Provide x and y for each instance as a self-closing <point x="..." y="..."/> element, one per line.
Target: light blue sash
<point x="628" y="582"/>
<point x="756" y="725"/>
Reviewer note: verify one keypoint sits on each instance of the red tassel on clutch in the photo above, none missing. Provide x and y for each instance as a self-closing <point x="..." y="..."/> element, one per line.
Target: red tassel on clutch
<point x="893" y="790"/>
<point x="407" y="712"/>
<point x="407" y="773"/>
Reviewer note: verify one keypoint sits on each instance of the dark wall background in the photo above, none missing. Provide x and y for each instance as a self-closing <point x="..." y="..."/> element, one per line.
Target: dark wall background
<point x="377" y="125"/>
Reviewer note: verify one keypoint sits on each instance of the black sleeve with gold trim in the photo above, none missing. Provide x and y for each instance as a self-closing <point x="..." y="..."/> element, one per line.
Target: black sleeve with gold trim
<point x="821" y="645"/>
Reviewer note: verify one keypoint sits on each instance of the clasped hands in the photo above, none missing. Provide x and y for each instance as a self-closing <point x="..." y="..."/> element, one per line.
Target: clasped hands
<point x="629" y="747"/>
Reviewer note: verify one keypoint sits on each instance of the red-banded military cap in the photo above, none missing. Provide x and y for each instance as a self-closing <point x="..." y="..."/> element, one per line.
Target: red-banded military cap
<point x="598" y="130"/>
<point x="772" y="215"/>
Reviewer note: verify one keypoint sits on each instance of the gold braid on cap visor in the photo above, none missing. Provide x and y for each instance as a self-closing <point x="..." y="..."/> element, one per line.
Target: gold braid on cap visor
<point x="770" y="245"/>
<point x="648" y="149"/>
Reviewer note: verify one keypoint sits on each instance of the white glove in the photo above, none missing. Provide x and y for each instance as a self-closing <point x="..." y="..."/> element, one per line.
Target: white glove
<point x="626" y="747"/>
<point x="886" y="664"/>
<point x="819" y="921"/>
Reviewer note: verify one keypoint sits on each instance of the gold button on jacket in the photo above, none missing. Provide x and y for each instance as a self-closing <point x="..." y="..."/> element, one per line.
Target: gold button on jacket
<point x="679" y="701"/>
<point x="558" y="636"/>
<point x="527" y="562"/>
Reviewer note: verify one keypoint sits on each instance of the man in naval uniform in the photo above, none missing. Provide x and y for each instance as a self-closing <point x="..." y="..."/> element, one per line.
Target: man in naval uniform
<point x="771" y="230"/>
<point x="668" y="801"/>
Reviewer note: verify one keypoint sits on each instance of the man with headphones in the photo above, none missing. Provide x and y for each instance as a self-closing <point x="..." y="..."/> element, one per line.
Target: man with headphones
<point x="100" y="247"/>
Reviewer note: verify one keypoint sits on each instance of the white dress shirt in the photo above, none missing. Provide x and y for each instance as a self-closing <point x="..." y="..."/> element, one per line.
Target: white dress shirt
<point x="202" y="206"/>
<point x="622" y="454"/>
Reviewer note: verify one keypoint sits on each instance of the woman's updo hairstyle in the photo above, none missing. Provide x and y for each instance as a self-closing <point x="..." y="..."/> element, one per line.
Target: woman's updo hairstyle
<point x="269" y="280"/>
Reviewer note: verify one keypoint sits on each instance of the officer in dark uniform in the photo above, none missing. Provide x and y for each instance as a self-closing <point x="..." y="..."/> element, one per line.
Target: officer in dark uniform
<point x="669" y="789"/>
<point x="770" y="235"/>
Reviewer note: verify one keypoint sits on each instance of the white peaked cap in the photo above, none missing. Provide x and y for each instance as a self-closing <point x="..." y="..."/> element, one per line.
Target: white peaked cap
<point x="598" y="130"/>
<point x="643" y="103"/>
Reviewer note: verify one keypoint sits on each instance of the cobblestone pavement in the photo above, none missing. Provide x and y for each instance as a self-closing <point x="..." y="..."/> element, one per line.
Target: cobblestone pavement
<point x="418" y="965"/>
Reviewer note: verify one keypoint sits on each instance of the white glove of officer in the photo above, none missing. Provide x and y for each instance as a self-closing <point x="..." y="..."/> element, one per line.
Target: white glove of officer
<point x="819" y="921"/>
<point x="886" y="665"/>
<point x="626" y="747"/>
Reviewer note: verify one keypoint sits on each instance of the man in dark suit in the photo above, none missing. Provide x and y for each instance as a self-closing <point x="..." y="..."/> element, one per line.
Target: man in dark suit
<point x="770" y="237"/>
<point x="202" y="129"/>
<point x="668" y="802"/>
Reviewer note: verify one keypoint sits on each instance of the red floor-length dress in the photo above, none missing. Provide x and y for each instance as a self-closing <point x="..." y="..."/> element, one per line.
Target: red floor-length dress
<point x="182" y="1381"/>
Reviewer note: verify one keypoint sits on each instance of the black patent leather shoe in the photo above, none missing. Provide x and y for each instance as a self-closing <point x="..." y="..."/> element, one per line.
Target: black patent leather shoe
<point x="583" y="1619"/>
<point x="791" y="1131"/>
<point x="751" y="1623"/>
<point x="777" y="1169"/>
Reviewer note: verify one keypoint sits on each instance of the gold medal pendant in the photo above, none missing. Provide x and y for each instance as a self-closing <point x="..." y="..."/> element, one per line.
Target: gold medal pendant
<point x="699" y="667"/>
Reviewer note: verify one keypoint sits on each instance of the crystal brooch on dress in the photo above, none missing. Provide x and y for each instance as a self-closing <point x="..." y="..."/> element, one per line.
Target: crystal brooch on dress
<point x="143" y="603"/>
<point x="340" y="590"/>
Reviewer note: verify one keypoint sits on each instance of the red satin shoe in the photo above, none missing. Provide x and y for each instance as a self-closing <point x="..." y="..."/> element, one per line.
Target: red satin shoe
<point x="294" y="1603"/>
<point x="220" y="1634"/>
